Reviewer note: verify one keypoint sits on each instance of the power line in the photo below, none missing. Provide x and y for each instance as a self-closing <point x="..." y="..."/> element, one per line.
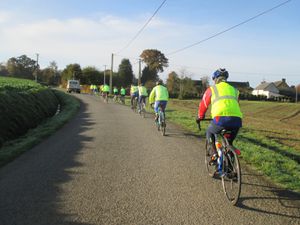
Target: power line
<point x="140" y="31"/>
<point x="230" y="28"/>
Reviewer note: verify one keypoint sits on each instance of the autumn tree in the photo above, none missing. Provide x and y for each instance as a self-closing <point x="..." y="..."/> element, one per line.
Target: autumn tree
<point x="173" y="83"/>
<point x="155" y="62"/>
<point x="187" y="88"/>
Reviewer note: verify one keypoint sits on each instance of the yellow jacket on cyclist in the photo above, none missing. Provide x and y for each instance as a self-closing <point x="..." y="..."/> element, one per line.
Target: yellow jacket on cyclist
<point x="123" y="91"/>
<point x="134" y="90"/>
<point x="159" y="93"/>
<point x="105" y="88"/>
<point x="143" y="91"/>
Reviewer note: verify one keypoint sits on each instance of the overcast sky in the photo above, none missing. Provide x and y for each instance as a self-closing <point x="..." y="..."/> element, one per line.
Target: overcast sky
<point x="89" y="31"/>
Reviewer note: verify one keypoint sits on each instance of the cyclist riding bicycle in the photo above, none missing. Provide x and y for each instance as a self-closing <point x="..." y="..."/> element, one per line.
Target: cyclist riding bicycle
<point x="142" y="95"/>
<point x="116" y="91"/>
<point x="105" y="90"/>
<point x="134" y="93"/>
<point x="159" y="96"/>
<point x="225" y="109"/>
<point x="123" y="93"/>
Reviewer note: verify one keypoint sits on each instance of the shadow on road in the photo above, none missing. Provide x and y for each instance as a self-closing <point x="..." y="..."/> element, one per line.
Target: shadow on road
<point x="176" y="132"/>
<point x="31" y="186"/>
<point x="268" y="196"/>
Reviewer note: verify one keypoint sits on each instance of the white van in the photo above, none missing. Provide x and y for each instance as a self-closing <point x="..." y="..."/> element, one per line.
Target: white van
<point x="73" y="85"/>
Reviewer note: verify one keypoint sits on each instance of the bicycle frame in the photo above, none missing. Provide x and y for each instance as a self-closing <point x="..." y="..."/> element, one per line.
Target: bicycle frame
<point x="227" y="167"/>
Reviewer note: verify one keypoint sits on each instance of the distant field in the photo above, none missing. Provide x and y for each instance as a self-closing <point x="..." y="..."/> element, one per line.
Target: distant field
<point x="269" y="139"/>
<point x="278" y="121"/>
<point x="18" y="85"/>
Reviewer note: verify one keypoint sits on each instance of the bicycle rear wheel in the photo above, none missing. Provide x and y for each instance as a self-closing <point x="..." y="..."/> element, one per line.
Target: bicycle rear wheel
<point x="231" y="177"/>
<point x="143" y="110"/>
<point x="211" y="168"/>
<point x="162" y="123"/>
<point x="163" y="129"/>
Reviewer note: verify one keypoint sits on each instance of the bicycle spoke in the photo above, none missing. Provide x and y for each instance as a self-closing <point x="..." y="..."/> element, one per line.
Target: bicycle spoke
<point x="231" y="177"/>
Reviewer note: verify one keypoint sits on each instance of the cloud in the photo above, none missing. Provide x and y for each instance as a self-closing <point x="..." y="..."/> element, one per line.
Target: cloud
<point x="5" y="16"/>
<point x="88" y="41"/>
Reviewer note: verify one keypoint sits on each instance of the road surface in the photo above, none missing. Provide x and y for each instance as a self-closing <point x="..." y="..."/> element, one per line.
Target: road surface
<point x="110" y="166"/>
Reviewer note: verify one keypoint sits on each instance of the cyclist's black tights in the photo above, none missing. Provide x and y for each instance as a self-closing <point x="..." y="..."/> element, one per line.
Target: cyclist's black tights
<point x="214" y="129"/>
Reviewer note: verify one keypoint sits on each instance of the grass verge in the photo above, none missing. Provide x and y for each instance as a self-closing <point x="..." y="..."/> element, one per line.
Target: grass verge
<point x="10" y="150"/>
<point x="278" y="162"/>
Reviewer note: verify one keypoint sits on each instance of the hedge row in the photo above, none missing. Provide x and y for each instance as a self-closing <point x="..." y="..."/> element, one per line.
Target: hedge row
<point x="24" y="110"/>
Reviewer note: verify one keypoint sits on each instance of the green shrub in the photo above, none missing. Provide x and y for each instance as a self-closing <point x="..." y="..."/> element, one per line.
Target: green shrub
<point x="23" y="105"/>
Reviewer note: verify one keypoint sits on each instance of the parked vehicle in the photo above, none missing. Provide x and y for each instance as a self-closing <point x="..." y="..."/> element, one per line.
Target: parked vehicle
<point x="73" y="86"/>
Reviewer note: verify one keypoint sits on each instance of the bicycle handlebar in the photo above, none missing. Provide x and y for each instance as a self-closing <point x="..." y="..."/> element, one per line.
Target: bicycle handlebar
<point x="205" y="119"/>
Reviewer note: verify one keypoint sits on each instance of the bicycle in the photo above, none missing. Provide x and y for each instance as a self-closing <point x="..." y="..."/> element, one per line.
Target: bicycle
<point x="134" y="105"/>
<point x="105" y="97"/>
<point x="161" y="121"/>
<point x="227" y="165"/>
<point x="116" y="98"/>
<point x="122" y="99"/>
<point x="142" y="109"/>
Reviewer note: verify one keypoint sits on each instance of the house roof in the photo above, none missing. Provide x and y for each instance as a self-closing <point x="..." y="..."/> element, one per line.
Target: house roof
<point x="262" y="86"/>
<point x="278" y="83"/>
<point x="239" y="84"/>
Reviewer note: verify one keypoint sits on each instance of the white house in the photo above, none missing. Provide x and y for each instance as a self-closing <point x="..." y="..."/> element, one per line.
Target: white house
<point x="267" y="89"/>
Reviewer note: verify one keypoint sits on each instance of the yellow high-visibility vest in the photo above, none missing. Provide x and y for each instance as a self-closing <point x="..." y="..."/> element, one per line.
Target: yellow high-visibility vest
<point x="224" y="101"/>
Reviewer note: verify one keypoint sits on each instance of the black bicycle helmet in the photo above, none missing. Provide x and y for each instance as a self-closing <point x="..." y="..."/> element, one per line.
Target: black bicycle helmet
<point x="159" y="82"/>
<point x="222" y="72"/>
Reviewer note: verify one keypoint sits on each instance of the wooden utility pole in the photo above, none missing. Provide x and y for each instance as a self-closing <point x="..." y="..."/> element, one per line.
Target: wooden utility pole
<point x="111" y="73"/>
<point x="296" y="94"/>
<point x="139" y="80"/>
<point x="104" y="74"/>
<point x="37" y="66"/>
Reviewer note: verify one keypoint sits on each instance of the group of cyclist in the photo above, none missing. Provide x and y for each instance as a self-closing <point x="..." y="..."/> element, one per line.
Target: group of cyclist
<point x="159" y="95"/>
<point x="119" y="96"/>
<point x="223" y="98"/>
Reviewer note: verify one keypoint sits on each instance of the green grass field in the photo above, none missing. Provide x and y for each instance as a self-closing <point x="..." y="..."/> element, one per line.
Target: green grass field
<point x="269" y="139"/>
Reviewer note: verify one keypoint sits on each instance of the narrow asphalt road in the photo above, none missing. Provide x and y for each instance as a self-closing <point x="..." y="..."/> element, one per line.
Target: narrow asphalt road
<point x="110" y="166"/>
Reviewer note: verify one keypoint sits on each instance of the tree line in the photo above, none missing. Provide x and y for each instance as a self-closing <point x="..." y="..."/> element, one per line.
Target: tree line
<point x="180" y="85"/>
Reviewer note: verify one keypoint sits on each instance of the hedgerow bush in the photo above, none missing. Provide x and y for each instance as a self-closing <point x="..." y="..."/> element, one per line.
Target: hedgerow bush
<point x="23" y="105"/>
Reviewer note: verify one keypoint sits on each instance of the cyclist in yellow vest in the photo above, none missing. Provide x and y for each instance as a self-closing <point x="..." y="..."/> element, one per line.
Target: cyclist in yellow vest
<point x="225" y="109"/>
<point x="105" y="90"/>
<point x="143" y="94"/>
<point x="123" y="91"/>
<point x="159" y="96"/>
<point x="134" y="93"/>
<point x="122" y="95"/>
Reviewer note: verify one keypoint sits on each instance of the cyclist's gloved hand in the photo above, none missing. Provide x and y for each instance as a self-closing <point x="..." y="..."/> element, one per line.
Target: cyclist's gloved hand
<point x="197" y="120"/>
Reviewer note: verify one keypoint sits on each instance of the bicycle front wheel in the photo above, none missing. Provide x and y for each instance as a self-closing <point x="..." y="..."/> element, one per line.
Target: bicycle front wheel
<point x="162" y="124"/>
<point x="231" y="177"/>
